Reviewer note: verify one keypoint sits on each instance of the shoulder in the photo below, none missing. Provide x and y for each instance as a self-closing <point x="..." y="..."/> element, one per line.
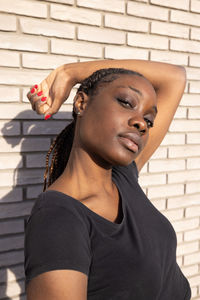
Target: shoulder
<point x="129" y="172"/>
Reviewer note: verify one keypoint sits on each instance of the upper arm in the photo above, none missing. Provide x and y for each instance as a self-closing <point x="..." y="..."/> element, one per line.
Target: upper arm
<point x="168" y="98"/>
<point x="58" y="285"/>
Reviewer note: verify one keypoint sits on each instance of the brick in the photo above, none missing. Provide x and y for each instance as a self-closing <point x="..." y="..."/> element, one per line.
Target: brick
<point x="36" y="160"/>
<point x="147" y="11"/>
<point x="185" y="225"/>
<point x="9" y="59"/>
<point x="184" y="176"/>
<point x="185" y="45"/>
<point x="192" y="235"/>
<point x="75" y="14"/>
<point x="8" y="227"/>
<point x="173" y="215"/>
<point x="169" y="57"/>
<point x="184" y="151"/>
<point x="192" y="259"/>
<point x="9" y="128"/>
<point x="194" y="291"/>
<point x="13" y="210"/>
<point x="193" y="163"/>
<point x="189" y="271"/>
<point x="120" y="52"/>
<point x="165" y="191"/>
<point x="94" y="34"/>
<point x="194" y="60"/>
<point x="9" y="94"/>
<point x="193" y="281"/>
<point x="17" y="77"/>
<point x="26" y="43"/>
<point x="11" y="258"/>
<point x="44" y="61"/>
<point x="187" y="248"/>
<point x="42" y="128"/>
<point x="76" y="48"/>
<point x="30" y="176"/>
<point x="160" y="204"/>
<point x="166" y="165"/>
<point x="195" y="34"/>
<point x="195" y="6"/>
<point x="184" y="17"/>
<point x="24" y="144"/>
<point x="194" y="113"/>
<point x="193" y="211"/>
<point x="47" y="28"/>
<point x="183" y="201"/>
<point x="181" y="113"/>
<point x="184" y="125"/>
<point x="70" y="2"/>
<point x="179" y="236"/>
<point x="194" y="87"/>
<point x="169" y="29"/>
<point x="23" y="7"/>
<point x="32" y="192"/>
<point x="190" y="100"/>
<point x="192" y="73"/>
<point x="11" y="243"/>
<point x="161" y="152"/>
<point x="152" y="179"/>
<point x="12" y="289"/>
<point x="12" y="274"/>
<point x="8" y="23"/>
<point x="11" y="194"/>
<point x="173" y="139"/>
<point x="21" y="177"/>
<point x="184" y="4"/>
<point x="147" y="41"/>
<point x="11" y="162"/>
<point x="106" y="5"/>
<point x="126" y="23"/>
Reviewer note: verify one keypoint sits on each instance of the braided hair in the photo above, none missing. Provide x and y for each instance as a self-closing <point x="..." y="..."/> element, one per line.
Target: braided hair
<point x="62" y="144"/>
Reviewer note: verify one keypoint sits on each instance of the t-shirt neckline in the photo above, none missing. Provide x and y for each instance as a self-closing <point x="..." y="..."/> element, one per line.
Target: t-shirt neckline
<point x="99" y="217"/>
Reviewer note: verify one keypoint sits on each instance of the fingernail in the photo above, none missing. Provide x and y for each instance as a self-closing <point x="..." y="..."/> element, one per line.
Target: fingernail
<point x="32" y="90"/>
<point x="36" y="86"/>
<point x="47" y="117"/>
<point x="40" y="93"/>
<point x="43" y="98"/>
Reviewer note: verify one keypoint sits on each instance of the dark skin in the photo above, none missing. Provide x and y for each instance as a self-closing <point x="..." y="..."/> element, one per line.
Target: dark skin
<point x="97" y="144"/>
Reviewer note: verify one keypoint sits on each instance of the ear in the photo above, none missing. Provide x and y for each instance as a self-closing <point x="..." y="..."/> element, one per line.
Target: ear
<point x="80" y="102"/>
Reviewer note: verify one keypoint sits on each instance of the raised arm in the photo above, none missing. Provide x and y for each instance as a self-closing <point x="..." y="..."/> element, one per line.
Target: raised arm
<point x="168" y="80"/>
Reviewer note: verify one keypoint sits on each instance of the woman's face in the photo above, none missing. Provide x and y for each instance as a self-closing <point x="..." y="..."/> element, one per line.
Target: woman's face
<point x="114" y="126"/>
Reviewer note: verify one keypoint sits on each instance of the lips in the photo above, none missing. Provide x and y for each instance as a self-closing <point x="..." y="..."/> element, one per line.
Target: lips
<point x="131" y="140"/>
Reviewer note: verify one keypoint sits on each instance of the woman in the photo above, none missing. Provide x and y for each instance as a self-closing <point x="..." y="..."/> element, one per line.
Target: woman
<point x="93" y="234"/>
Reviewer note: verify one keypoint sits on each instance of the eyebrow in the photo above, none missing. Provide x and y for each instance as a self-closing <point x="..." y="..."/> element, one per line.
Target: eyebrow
<point x="140" y="93"/>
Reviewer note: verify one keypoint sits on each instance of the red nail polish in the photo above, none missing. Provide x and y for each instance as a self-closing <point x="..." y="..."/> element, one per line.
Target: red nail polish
<point x="32" y="90"/>
<point x="47" y="117"/>
<point x="40" y="93"/>
<point x="36" y="86"/>
<point x="43" y="98"/>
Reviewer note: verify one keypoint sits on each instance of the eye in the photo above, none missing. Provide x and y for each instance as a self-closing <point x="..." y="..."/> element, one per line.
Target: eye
<point x="124" y="102"/>
<point x="149" y="122"/>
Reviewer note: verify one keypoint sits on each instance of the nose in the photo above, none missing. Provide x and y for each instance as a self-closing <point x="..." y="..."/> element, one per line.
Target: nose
<point x="139" y="123"/>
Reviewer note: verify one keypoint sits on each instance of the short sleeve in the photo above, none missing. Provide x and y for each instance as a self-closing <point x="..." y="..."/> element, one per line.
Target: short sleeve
<point x="56" y="238"/>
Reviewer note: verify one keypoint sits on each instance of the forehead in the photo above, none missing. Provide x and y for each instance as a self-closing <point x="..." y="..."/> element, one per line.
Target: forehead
<point x="136" y="83"/>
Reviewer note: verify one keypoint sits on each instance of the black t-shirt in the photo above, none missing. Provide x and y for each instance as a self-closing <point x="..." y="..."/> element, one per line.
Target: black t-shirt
<point x="134" y="259"/>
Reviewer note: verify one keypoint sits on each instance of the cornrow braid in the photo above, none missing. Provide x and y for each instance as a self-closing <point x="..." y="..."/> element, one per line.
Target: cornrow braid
<point x="62" y="145"/>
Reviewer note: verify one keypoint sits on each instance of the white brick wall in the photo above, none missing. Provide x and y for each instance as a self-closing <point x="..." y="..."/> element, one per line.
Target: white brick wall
<point x="36" y="37"/>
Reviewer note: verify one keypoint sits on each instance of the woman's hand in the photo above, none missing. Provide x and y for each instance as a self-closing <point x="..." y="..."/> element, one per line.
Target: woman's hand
<point x="48" y="96"/>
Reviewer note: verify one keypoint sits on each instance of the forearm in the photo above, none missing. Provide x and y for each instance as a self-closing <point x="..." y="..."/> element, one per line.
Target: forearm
<point x="158" y="73"/>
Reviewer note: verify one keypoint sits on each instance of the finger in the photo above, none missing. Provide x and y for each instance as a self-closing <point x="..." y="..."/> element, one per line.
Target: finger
<point x="53" y="108"/>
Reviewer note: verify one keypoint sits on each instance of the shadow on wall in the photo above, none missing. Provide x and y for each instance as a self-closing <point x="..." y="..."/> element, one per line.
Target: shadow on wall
<point x="25" y="152"/>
